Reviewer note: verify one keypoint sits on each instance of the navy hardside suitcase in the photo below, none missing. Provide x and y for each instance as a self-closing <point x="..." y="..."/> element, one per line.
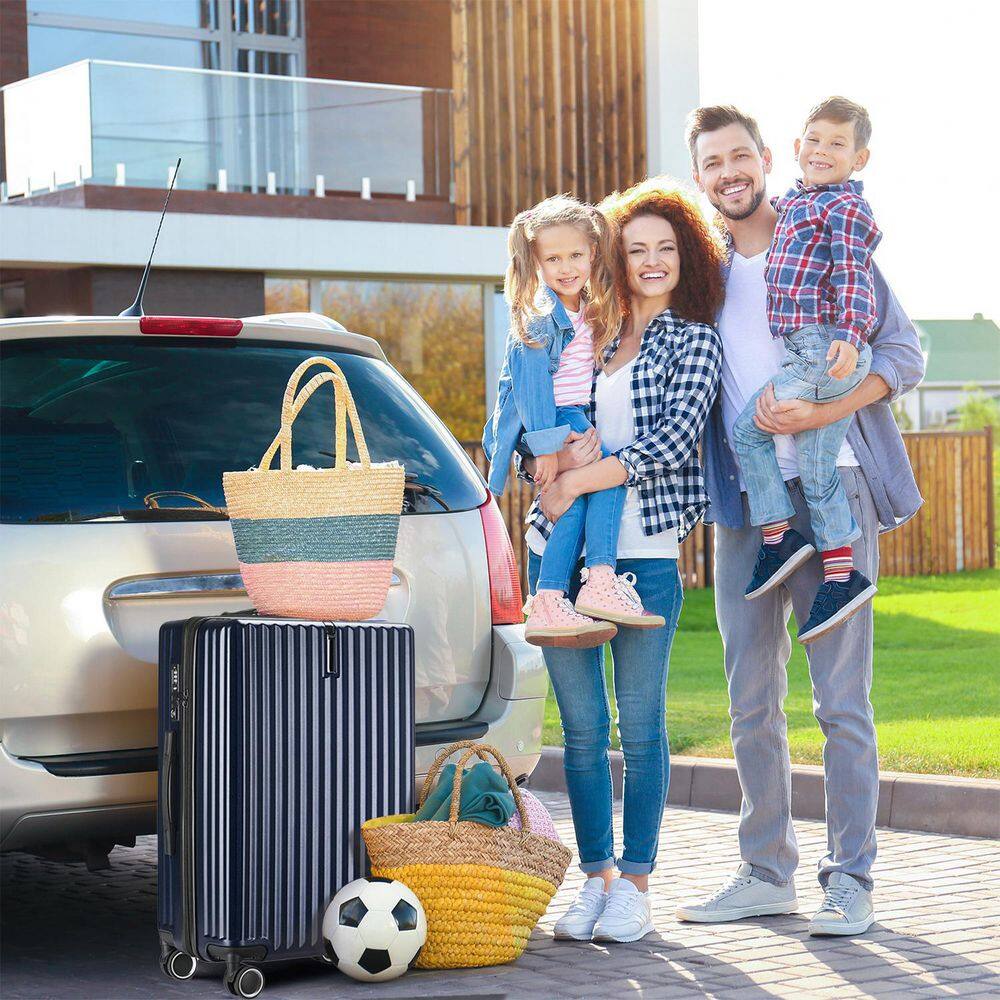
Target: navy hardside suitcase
<point x="278" y="739"/>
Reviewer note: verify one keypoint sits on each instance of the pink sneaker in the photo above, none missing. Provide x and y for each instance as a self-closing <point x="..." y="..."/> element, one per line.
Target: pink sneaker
<point x="552" y="621"/>
<point x="613" y="598"/>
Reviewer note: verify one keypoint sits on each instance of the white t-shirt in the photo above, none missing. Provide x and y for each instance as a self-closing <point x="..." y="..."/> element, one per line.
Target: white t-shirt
<point x="616" y="426"/>
<point x="751" y="356"/>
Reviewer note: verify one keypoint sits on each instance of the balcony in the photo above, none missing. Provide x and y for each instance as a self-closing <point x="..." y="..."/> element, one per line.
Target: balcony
<point x="122" y="125"/>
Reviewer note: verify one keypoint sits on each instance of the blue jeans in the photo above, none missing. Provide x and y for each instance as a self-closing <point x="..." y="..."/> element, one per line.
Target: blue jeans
<point x="594" y="516"/>
<point x="641" y="660"/>
<point x="803" y="375"/>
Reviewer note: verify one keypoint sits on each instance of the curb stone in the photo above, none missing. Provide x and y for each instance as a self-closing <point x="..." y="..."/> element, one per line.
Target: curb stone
<point x="928" y="803"/>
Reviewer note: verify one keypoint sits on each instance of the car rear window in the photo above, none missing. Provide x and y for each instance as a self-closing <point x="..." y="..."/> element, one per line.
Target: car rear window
<point x="91" y="426"/>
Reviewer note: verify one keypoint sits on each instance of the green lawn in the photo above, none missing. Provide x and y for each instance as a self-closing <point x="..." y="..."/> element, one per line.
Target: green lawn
<point x="936" y="689"/>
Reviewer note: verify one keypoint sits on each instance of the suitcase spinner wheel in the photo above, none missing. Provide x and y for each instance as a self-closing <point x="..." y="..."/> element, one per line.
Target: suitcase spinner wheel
<point x="177" y="965"/>
<point x="246" y="981"/>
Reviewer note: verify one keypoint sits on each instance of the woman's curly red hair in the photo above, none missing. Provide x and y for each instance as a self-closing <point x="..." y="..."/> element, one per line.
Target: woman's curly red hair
<point x="698" y="295"/>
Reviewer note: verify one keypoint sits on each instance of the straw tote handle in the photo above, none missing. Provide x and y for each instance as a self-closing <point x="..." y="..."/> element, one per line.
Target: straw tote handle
<point x="481" y="749"/>
<point x="439" y="760"/>
<point x="296" y="377"/>
<point x="345" y="407"/>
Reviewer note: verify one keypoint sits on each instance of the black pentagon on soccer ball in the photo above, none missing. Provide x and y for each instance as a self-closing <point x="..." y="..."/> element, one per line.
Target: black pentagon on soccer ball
<point x="352" y="912"/>
<point x="405" y="916"/>
<point x="331" y="955"/>
<point x="374" y="960"/>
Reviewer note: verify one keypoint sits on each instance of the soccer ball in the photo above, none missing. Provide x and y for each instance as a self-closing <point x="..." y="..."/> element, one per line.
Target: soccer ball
<point x="374" y="929"/>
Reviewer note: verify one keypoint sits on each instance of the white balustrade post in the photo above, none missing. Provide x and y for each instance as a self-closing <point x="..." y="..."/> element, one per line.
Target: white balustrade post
<point x="222" y="184"/>
<point x="79" y="175"/>
<point x="320" y="186"/>
<point x="120" y="175"/>
<point x="171" y="173"/>
<point x="272" y="182"/>
<point x="366" y="188"/>
<point x="411" y="190"/>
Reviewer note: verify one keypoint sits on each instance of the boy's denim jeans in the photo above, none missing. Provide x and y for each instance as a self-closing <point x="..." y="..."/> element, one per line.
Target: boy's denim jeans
<point x="641" y="659"/>
<point x="594" y="516"/>
<point x="803" y="375"/>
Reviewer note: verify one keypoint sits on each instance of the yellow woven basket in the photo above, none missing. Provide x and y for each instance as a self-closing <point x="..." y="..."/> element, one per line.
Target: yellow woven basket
<point x="483" y="888"/>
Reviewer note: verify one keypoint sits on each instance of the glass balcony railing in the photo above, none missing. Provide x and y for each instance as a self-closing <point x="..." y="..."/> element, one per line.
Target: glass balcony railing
<point x="126" y="124"/>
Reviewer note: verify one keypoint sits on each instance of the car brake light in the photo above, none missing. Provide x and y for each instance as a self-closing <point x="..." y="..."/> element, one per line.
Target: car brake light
<point x="190" y="326"/>
<point x="505" y="585"/>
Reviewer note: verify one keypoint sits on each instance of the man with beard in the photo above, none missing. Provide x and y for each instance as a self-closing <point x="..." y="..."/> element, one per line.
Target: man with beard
<point x="730" y="165"/>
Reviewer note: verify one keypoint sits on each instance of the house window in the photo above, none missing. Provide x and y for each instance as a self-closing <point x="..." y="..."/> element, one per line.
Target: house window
<point x="263" y="36"/>
<point x="432" y="332"/>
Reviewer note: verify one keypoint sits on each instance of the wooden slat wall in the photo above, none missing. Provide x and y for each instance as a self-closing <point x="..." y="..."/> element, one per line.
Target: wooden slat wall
<point x="548" y="97"/>
<point x="953" y="531"/>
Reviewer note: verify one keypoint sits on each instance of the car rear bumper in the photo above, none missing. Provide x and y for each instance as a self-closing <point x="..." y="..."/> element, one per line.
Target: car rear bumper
<point x="60" y="800"/>
<point x="38" y="807"/>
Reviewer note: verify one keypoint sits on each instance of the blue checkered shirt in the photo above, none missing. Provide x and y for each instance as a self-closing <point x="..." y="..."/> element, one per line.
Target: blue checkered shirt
<point x="674" y="384"/>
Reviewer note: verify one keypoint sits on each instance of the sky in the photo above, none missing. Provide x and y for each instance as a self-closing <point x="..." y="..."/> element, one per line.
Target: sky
<point x="929" y="75"/>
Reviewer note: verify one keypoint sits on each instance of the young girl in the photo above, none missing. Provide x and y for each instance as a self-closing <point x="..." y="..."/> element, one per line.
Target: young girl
<point x="563" y="314"/>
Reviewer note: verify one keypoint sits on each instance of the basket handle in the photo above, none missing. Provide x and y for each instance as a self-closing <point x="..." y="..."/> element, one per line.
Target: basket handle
<point x="292" y="406"/>
<point x="483" y="751"/>
<point x="439" y="760"/>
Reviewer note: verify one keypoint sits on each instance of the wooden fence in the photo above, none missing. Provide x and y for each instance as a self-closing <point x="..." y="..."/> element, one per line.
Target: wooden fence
<point x="952" y="532"/>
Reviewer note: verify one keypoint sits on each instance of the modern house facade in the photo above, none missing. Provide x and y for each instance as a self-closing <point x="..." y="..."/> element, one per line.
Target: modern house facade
<point x="355" y="159"/>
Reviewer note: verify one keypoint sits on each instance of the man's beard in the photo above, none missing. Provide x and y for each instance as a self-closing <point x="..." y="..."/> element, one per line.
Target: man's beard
<point x="758" y="197"/>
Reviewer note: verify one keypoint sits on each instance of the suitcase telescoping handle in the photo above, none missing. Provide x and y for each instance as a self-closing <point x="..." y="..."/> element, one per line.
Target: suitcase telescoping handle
<point x="167" y="790"/>
<point x="332" y="668"/>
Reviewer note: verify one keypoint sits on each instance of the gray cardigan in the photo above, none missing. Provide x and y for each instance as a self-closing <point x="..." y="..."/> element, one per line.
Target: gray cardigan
<point x="872" y="434"/>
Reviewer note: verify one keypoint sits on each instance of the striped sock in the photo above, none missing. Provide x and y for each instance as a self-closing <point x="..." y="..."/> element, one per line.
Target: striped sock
<point x="773" y="533"/>
<point x="837" y="564"/>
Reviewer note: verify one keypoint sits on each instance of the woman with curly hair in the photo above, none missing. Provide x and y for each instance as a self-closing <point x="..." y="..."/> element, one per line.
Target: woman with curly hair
<point x="650" y="402"/>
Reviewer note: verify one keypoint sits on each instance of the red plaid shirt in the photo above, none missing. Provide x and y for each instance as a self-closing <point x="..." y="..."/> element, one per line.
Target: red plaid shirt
<point x="819" y="266"/>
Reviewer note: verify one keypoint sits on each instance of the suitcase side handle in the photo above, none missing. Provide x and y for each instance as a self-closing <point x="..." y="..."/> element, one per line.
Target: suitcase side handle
<point x="167" y="790"/>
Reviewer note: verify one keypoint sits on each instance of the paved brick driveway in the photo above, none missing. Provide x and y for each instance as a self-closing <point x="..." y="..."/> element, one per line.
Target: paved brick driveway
<point x="69" y="933"/>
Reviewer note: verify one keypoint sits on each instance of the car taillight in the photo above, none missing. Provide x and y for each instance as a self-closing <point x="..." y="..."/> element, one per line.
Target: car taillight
<point x="505" y="586"/>
<point x="190" y="326"/>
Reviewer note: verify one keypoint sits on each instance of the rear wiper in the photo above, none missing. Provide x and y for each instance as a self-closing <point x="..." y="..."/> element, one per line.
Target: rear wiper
<point x="413" y="485"/>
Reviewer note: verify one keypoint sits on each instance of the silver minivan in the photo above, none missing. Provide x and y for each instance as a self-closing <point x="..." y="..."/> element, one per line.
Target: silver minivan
<point x="114" y="434"/>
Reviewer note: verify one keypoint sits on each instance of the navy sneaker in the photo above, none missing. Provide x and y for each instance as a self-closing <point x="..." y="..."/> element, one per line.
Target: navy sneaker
<point x="835" y="602"/>
<point x="776" y="563"/>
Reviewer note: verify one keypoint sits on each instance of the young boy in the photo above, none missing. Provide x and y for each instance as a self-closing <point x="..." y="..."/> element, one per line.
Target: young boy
<point x="821" y="301"/>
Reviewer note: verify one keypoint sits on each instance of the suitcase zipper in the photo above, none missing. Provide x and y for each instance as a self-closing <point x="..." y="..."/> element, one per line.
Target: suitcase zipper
<point x="185" y="708"/>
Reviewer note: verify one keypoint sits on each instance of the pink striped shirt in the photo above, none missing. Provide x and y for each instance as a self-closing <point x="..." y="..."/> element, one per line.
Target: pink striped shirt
<point x="573" y="381"/>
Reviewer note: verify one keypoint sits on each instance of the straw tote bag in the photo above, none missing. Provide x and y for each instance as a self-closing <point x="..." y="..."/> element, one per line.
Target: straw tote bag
<point x="317" y="543"/>
<point x="483" y="888"/>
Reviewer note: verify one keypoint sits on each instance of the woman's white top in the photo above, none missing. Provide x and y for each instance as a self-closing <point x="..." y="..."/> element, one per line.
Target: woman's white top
<point x="616" y="425"/>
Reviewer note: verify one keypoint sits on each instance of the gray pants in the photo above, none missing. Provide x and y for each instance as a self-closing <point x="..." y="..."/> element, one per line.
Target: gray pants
<point x="757" y="648"/>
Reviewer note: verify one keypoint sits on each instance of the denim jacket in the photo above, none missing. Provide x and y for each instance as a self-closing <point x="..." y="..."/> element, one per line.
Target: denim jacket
<point x="525" y="396"/>
<point x="872" y="434"/>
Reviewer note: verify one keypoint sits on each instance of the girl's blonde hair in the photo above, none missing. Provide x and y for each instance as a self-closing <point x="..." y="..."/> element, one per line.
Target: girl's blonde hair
<point x="521" y="285"/>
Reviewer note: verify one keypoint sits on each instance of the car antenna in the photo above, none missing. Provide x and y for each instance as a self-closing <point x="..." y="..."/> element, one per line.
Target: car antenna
<point x="136" y="308"/>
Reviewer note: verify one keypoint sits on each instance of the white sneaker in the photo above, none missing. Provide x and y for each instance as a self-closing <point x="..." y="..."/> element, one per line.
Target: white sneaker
<point x="847" y="908"/>
<point x="577" y="923"/>
<point x="744" y="895"/>
<point x="626" y="915"/>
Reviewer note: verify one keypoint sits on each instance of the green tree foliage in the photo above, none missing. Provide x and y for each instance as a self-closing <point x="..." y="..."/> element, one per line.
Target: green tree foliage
<point x="977" y="410"/>
<point x="431" y="332"/>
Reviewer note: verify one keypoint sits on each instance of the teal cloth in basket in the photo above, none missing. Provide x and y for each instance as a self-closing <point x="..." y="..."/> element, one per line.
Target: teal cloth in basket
<point x="484" y="797"/>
